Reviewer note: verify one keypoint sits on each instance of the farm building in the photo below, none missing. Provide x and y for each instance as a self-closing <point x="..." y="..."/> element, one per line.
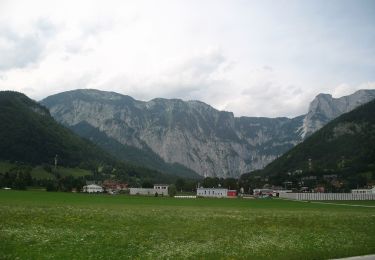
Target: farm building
<point x="92" y="188"/>
<point x="113" y="187"/>
<point x="212" y="192"/>
<point x="159" y="189"/>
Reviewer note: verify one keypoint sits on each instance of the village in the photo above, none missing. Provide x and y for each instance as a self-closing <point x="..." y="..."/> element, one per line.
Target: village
<point x="113" y="188"/>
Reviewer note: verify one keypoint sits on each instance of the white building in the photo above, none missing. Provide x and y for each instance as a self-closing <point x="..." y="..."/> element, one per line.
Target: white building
<point x="92" y="188"/>
<point x="212" y="192"/>
<point x="364" y="191"/>
<point x="160" y="189"/>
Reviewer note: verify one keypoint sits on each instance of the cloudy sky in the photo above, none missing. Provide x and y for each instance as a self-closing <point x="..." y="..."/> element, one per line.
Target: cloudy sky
<point x="255" y="58"/>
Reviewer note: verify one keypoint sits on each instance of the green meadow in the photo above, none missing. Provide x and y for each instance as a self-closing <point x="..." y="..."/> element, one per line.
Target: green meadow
<point x="39" y="173"/>
<point x="42" y="225"/>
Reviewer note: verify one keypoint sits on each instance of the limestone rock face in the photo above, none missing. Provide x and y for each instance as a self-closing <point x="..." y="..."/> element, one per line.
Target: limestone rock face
<point x="194" y="134"/>
<point x="324" y="108"/>
<point x="191" y="133"/>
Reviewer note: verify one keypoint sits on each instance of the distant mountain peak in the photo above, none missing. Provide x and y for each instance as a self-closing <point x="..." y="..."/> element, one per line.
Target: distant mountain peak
<point x="194" y="134"/>
<point x="324" y="108"/>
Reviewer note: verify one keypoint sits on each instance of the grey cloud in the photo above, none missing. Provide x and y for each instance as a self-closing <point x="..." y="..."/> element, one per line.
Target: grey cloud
<point x="272" y="99"/>
<point x="90" y="30"/>
<point x="204" y="65"/>
<point x="18" y="51"/>
<point x="269" y="68"/>
<point x="191" y="78"/>
<point x="45" y="27"/>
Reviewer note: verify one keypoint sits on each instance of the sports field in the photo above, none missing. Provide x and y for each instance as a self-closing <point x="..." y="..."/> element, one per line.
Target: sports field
<point x="42" y="225"/>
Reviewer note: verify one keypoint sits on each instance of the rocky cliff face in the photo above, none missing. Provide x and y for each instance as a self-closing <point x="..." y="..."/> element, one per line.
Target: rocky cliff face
<point x="192" y="133"/>
<point x="324" y="108"/>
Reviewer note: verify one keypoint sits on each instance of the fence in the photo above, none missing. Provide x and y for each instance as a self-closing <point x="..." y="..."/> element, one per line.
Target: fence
<point x="185" y="197"/>
<point x="327" y="196"/>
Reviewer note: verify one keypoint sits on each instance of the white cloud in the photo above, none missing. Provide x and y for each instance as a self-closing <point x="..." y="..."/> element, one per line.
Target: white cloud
<point x="347" y="89"/>
<point x="255" y="58"/>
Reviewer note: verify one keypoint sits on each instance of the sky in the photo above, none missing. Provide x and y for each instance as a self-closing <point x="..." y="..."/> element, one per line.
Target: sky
<point x="253" y="58"/>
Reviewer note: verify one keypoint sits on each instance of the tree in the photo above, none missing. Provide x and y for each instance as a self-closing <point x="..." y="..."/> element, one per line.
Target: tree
<point x="172" y="190"/>
<point x="147" y="184"/>
<point x="230" y="183"/>
<point x="180" y="184"/>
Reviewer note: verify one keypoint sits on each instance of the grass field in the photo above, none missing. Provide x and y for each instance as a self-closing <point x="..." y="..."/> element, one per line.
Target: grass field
<point x="41" y="225"/>
<point x="39" y="173"/>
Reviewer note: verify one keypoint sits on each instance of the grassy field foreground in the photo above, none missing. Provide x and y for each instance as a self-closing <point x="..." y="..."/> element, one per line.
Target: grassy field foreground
<point x="41" y="225"/>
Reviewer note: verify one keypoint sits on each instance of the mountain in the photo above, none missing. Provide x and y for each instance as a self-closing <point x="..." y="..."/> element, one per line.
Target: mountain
<point x="131" y="154"/>
<point x="346" y="145"/>
<point x="190" y="134"/>
<point x="30" y="135"/>
<point x="324" y="108"/>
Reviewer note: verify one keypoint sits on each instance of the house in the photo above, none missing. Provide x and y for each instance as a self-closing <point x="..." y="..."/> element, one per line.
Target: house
<point x="159" y="189"/>
<point x="113" y="187"/>
<point x="92" y="188"/>
<point x="364" y="191"/>
<point x="212" y="192"/>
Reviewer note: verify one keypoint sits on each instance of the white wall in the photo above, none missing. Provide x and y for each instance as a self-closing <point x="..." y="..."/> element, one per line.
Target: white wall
<point x="148" y="191"/>
<point x="213" y="193"/>
<point x="161" y="189"/>
<point x="92" y="188"/>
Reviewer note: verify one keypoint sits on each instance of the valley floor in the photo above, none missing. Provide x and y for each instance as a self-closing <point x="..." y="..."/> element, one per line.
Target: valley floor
<point x="40" y="225"/>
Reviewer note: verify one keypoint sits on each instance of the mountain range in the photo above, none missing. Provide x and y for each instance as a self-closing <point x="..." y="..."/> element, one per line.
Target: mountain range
<point x="30" y="136"/>
<point x="190" y="137"/>
<point x="344" y="149"/>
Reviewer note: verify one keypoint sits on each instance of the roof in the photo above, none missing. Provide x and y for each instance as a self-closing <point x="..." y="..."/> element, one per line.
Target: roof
<point x="212" y="189"/>
<point x="93" y="186"/>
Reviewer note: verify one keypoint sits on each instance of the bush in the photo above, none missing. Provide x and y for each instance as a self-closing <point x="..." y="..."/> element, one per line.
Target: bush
<point x="172" y="190"/>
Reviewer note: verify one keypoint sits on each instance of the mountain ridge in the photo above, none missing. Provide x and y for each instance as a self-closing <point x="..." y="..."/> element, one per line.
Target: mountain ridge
<point x="343" y="149"/>
<point x="30" y="136"/>
<point x="191" y="133"/>
<point x="324" y="108"/>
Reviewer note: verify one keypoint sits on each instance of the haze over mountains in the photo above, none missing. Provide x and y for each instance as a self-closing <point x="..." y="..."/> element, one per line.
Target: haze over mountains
<point x="192" y="134"/>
